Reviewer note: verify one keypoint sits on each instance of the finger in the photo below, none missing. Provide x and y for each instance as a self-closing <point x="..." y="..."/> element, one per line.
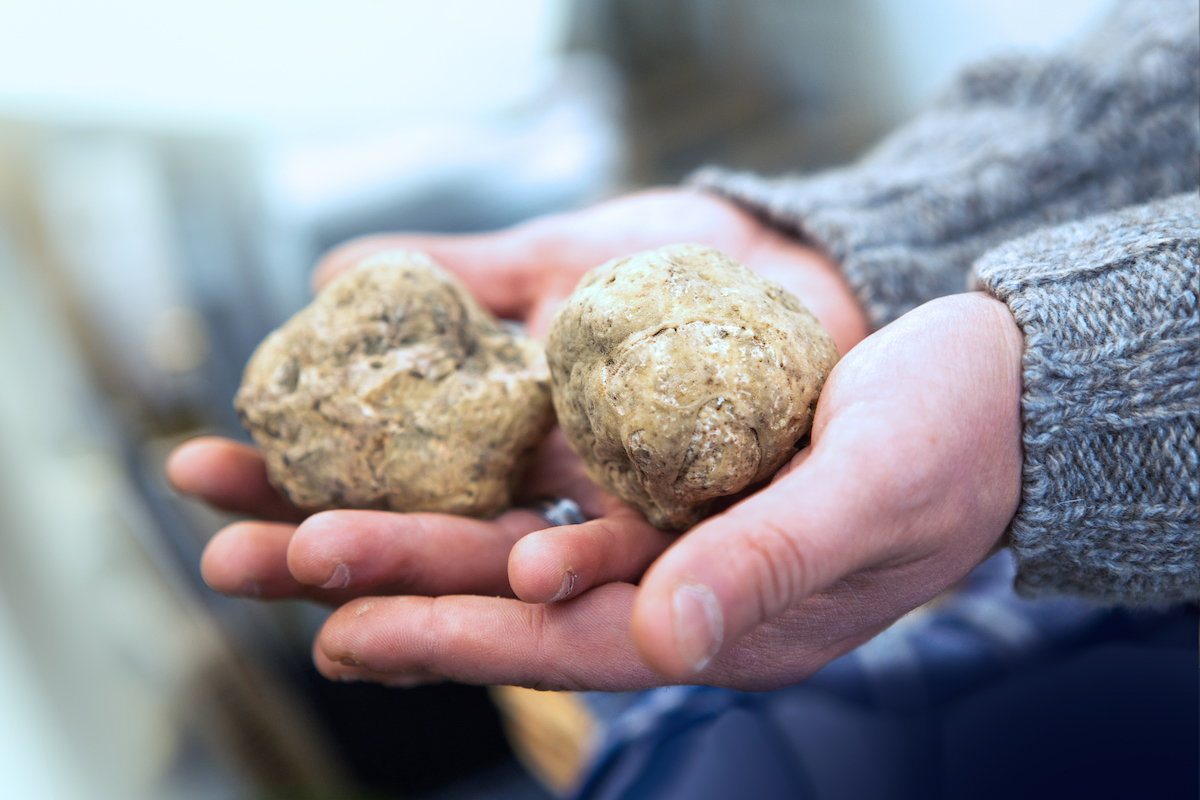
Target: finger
<point x="559" y="563"/>
<point x="416" y="554"/>
<point x="229" y="475"/>
<point x="500" y="269"/>
<point x="349" y="671"/>
<point x="250" y="559"/>
<point x="583" y="643"/>
<point x="422" y="554"/>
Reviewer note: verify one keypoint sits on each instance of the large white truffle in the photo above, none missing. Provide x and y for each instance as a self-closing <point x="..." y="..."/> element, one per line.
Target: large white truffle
<point x="680" y="376"/>
<point x="396" y="390"/>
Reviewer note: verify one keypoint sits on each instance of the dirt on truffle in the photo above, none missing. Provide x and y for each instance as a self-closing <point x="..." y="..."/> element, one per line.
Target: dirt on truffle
<point x="396" y="390"/>
<point x="680" y="376"/>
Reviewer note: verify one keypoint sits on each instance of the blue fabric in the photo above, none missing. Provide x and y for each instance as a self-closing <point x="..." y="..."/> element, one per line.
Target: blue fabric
<point x="979" y="695"/>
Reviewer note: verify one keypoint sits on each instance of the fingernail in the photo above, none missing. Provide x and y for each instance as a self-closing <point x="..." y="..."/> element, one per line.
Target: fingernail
<point x="698" y="624"/>
<point x="340" y="578"/>
<point x="347" y="661"/>
<point x="250" y="588"/>
<point x="568" y="586"/>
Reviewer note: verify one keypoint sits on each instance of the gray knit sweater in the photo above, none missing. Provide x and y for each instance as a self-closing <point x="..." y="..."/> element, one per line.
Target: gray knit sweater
<point x="1067" y="188"/>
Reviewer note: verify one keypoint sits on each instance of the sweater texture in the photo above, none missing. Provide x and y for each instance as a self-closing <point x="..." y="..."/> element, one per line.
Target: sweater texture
<point x="1111" y="375"/>
<point x="1066" y="187"/>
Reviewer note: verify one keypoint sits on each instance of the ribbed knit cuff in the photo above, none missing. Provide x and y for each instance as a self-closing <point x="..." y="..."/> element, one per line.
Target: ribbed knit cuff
<point x="1111" y="403"/>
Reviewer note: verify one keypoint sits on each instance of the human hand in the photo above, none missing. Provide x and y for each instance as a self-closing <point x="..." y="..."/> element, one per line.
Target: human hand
<point x="520" y="273"/>
<point x="910" y="481"/>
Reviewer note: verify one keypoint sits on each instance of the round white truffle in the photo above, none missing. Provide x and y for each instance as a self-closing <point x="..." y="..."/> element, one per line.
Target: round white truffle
<point x="680" y="376"/>
<point x="396" y="390"/>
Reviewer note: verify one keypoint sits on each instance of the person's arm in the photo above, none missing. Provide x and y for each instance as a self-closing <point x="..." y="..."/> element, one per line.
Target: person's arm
<point x="1110" y="408"/>
<point x="1016" y="145"/>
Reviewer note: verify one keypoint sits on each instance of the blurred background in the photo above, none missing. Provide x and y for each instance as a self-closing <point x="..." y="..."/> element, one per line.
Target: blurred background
<point x="169" y="172"/>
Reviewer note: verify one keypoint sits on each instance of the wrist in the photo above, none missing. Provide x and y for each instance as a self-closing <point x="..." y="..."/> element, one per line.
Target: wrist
<point x="1006" y="348"/>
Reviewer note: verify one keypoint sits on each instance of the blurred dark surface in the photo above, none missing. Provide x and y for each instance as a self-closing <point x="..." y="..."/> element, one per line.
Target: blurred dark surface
<point x="410" y="741"/>
<point x="1114" y="720"/>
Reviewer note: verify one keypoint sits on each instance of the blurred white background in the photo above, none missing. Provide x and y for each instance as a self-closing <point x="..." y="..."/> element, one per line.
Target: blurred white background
<point x="168" y="174"/>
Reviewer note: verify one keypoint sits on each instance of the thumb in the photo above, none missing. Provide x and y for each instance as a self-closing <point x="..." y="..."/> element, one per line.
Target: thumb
<point x="742" y="568"/>
<point x="916" y="461"/>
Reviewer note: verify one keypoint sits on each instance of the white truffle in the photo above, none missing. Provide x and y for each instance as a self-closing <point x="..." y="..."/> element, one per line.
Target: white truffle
<point x="396" y="390"/>
<point x="680" y="376"/>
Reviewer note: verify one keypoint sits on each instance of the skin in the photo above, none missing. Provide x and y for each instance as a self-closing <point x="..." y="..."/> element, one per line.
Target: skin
<point x="911" y="478"/>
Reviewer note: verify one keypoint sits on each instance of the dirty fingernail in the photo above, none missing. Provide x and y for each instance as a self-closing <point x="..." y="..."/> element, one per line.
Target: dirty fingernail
<point x="568" y="585"/>
<point x="699" y="624"/>
<point x="347" y="661"/>
<point x="340" y="578"/>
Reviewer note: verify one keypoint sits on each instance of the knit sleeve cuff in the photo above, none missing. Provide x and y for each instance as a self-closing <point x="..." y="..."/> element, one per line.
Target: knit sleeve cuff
<point x="1110" y="405"/>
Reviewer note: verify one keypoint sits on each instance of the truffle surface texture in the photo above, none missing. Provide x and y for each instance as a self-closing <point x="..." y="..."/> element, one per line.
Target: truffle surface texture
<point x="680" y="376"/>
<point x="394" y="389"/>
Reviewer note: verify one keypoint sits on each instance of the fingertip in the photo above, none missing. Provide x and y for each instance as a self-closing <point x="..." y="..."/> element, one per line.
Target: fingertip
<point x="740" y="569"/>
<point x="311" y="557"/>
<point x="563" y="562"/>
<point x="178" y="466"/>
<point x="326" y="666"/>
<point x="345" y="634"/>
<point x="186" y="466"/>
<point x="248" y="559"/>
<point x="305" y="547"/>
<point x="229" y="475"/>
<point x="679" y="629"/>
<point x="221" y="564"/>
<point x="536" y="571"/>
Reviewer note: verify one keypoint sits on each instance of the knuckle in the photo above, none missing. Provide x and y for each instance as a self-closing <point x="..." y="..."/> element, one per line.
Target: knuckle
<point x="536" y="621"/>
<point x="541" y="671"/>
<point x="779" y="567"/>
<point x="429" y="634"/>
<point x="403" y="563"/>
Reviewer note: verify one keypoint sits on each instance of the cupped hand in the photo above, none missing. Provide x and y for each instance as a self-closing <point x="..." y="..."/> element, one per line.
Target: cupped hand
<point x="521" y="273"/>
<point x="910" y="481"/>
